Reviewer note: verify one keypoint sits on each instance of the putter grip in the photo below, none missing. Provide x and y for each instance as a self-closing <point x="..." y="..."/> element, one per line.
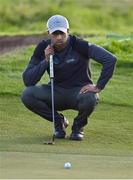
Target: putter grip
<point x="51" y="67"/>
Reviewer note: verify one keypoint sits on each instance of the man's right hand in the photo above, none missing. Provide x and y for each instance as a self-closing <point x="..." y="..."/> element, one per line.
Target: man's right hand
<point x="89" y="88"/>
<point x="48" y="51"/>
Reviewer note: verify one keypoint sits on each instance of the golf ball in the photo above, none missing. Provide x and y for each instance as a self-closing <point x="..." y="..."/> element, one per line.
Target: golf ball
<point x="67" y="165"/>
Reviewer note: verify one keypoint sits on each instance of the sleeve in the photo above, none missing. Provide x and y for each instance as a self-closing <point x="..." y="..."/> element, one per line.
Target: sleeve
<point x="36" y="67"/>
<point x="108" y="61"/>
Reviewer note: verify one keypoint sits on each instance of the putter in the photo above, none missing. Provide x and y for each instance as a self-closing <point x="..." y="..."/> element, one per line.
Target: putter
<point x="52" y="96"/>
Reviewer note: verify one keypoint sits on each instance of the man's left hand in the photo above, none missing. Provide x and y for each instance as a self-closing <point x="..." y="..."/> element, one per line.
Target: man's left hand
<point x="89" y="88"/>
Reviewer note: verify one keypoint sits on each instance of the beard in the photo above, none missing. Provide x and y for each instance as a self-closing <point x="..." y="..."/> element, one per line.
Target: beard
<point x="59" y="45"/>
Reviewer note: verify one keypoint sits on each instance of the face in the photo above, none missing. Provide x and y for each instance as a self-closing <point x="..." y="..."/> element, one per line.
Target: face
<point x="59" y="39"/>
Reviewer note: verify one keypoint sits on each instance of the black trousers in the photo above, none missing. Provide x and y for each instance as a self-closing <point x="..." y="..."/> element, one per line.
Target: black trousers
<point x="38" y="100"/>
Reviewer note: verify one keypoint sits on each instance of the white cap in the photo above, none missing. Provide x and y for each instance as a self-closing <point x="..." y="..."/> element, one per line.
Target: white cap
<point x="57" y="23"/>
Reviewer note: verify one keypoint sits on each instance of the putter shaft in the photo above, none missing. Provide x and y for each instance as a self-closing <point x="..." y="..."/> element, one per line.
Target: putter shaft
<point x="52" y="98"/>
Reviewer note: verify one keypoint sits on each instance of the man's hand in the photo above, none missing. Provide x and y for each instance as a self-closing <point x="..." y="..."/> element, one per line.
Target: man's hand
<point x="48" y="51"/>
<point x="89" y="88"/>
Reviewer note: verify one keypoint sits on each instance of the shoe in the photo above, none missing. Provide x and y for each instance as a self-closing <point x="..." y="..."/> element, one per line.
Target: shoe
<point x="77" y="134"/>
<point x="60" y="127"/>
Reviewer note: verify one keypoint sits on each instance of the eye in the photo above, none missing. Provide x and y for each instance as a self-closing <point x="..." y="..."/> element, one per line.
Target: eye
<point x="58" y="33"/>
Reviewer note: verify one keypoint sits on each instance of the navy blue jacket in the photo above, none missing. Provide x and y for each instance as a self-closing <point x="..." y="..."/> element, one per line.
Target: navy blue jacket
<point x="72" y="65"/>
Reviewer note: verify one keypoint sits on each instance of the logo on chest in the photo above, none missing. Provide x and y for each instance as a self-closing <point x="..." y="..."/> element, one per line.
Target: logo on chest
<point x="71" y="61"/>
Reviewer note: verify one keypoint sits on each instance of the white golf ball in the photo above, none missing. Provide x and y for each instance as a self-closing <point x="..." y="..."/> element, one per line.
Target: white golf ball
<point x="67" y="165"/>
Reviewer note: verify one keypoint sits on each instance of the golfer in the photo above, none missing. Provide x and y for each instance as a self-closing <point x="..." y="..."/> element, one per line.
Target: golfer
<point x="73" y="86"/>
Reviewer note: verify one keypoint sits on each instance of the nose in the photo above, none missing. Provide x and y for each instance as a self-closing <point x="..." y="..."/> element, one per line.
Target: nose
<point x="59" y="37"/>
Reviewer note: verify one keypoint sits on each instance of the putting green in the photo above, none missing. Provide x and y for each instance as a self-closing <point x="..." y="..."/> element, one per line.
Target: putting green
<point x="22" y="165"/>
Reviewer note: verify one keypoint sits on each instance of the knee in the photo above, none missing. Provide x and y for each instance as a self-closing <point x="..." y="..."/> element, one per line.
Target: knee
<point x="26" y="96"/>
<point x="87" y="101"/>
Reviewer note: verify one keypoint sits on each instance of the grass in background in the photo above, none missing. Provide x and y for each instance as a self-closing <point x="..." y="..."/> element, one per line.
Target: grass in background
<point x="110" y="128"/>
<point x="13" y="64"/>
<point x="86" y="16"/>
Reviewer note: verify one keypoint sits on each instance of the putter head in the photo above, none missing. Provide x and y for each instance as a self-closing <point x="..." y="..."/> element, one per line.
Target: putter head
<point x="49" y="143"/>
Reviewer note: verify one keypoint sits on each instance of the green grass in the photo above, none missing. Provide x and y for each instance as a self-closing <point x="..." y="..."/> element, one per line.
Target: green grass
<point x="84" y="16"/>
<point x="107" y="150"/>
<point x="50" y="166"/>
<point x="108" y="132"/>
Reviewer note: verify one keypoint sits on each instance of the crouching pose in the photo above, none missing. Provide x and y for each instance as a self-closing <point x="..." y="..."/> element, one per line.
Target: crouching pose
<point x="73" y="87"/>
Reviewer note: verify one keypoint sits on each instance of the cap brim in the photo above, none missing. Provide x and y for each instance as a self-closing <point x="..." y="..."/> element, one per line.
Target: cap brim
<point x="57" y="29"/>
